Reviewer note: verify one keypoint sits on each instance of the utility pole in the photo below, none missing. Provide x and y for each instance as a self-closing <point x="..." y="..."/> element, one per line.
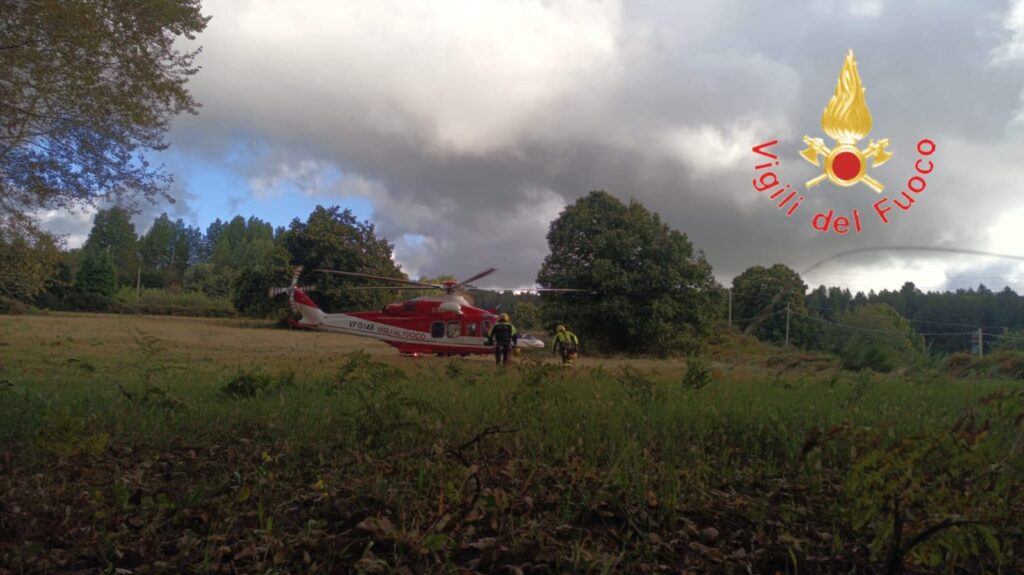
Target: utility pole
<point x="730" y="308"/>
<point x="981" y="343"/>
<point x="138" y="285"/>
<point x="787" y="325"/>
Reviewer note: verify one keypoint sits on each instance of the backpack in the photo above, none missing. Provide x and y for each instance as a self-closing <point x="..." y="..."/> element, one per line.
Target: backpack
<point x="570" y="343"/>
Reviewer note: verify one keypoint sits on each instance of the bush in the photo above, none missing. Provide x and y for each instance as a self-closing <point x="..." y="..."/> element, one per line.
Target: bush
<point x="698" y="373"/>
<point x="1008" y="364"/>
<point x="168" y="302"/>
<point x="253" y="384"/>
<point x="84" y="301"/>
<point x="10" y="306"/>
<point x="859" y="354"/>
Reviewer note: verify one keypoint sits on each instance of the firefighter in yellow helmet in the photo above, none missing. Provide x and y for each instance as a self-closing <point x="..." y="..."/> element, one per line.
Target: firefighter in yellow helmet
<point x="567" y="344"/>
<point x="504" y="336"/>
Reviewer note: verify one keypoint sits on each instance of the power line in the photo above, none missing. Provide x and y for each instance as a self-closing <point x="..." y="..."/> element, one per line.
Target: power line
<point x="820" y="263"/>
<point x="1004" y="336"/>
<point x="778" y="311"/>
<point x="871" y="330"/>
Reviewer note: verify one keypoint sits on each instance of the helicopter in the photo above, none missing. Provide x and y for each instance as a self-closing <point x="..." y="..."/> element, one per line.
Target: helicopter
<point x="443" y="325"/>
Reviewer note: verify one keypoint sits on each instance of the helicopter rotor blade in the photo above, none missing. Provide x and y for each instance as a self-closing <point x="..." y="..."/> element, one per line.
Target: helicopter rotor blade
<point x="381" y="278"/>
<point x="276" y="291"/>
<point x="482" y="274"/>
<point x="401" y="288"/>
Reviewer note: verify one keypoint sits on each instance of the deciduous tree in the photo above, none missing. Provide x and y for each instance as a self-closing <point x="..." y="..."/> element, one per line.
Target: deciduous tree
<point x="874" y="336"/>
<point x="760" y="298"/>
<point x="87" y="88"/>
<point x="653" y="291"/>
<point x="333" y="238"/>
<point x="27" y="263"/>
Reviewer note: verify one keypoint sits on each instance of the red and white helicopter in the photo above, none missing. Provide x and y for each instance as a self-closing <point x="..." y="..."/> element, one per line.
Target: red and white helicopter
<point x="442" y="325"/>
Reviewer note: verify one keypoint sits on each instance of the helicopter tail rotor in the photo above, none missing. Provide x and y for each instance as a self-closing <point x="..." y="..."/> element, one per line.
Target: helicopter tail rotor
<point x="299" y="301"/>
<point x="290" y="290"/>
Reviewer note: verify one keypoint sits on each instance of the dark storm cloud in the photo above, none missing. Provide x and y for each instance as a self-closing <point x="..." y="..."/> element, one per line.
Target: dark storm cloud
<point x="470" y="128"/>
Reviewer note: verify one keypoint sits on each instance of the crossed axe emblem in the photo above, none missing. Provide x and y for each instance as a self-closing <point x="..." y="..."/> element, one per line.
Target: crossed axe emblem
<point x="845" y="165"/>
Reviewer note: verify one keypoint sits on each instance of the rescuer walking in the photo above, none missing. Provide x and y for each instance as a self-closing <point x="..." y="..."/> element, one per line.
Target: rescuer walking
<point x="567" y="344"/>
<point x="503" y="335"/>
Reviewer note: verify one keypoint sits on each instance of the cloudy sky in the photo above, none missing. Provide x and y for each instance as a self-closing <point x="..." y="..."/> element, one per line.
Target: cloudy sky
<point x="463" y="128"/>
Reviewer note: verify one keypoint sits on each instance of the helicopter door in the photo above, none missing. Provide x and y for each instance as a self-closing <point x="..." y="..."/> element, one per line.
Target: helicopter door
<point x="471" y="329"/>
<point x="437" y="329"/>
<point x="485" y="327"/>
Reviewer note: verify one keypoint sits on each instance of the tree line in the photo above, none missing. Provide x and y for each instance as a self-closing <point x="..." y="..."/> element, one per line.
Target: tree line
<point x="644" y="287"/>
<point x="890" y="323"/>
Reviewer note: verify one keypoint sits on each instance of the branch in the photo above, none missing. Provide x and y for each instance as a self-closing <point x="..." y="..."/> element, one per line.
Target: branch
<point x="894" y="563"/>
<point x="928" y="533"/>
<point x="19" y="45"/>
<point x="480" y="436"/>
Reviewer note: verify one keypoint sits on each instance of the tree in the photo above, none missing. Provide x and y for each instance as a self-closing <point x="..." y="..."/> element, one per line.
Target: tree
<point x="167" y="249"/>
<point x="760" y="298"/>
<point x="88" y="86"/>
<point x="526" y="315"/>
<point x="210" y="238"/>
<point x="113" y="232"/>
<point x="249" y="292"/>
<point x="507" y="301"/>
<point x="654" y="293"/>
<point x="27" y="263"/>
<point x="332" y="238"/>
<point x="202" y="278"/>
<point x="240" y="243"/>
<point x="96" y="274"/>
<point x="817" y="303"/>
<point x="155" y="249"/>
<point x="874" y="336"/>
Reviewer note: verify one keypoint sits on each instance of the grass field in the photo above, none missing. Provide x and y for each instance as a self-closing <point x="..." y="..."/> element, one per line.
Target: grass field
<point x="151" y="444"/>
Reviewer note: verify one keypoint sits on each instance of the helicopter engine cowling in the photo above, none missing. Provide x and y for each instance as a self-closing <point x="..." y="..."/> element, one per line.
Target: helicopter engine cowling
<point x="450" y="307"/>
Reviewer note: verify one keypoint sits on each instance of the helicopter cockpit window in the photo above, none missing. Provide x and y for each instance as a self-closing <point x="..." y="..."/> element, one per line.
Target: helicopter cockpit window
<point x="471" y="330"/>
<point x="437" y="329"/>
<point x="485" y="327"/>
<point x="454" y="329"/>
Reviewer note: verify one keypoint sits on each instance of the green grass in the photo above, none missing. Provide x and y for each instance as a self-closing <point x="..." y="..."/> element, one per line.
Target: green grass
<point x="312" y="461"/>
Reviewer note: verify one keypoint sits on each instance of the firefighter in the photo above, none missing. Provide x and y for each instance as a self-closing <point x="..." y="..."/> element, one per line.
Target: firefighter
<point x="503" y="335"/>
<point x="567" y="344"/>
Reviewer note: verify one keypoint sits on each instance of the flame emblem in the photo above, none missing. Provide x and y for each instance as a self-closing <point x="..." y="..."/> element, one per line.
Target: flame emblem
<point x="846" y="120"/>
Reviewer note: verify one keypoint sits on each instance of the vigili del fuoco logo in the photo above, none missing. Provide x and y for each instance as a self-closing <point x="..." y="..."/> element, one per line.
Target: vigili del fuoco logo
<point x="846" y="121"/>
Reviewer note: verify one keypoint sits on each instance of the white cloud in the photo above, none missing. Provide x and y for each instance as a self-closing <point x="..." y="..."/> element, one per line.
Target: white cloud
<point x="1006" y="234"/>
<point x="73" y="225"/>
<point x="708" y="149"/>
<point x="308" y="176"/>
<point x="858" y="8"/>
<point x="1017" y="122"/>
<point x="867" y="8"/>
<point x="1012" y="48"/>
<point x="436" y="241"/>
<point x="463" y="77"/>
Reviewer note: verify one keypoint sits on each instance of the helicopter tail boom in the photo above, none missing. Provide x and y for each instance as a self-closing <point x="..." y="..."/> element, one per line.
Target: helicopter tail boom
<point x="311" y="313"/>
